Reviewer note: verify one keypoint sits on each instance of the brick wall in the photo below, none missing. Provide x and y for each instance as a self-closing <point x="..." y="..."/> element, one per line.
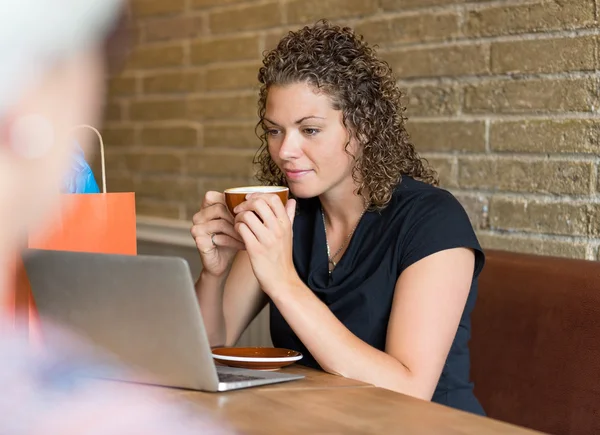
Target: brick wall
<point x="503" y="99"/>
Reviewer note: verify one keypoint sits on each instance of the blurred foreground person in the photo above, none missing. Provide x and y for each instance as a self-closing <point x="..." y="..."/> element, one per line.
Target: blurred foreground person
<point x="52" y="69"/>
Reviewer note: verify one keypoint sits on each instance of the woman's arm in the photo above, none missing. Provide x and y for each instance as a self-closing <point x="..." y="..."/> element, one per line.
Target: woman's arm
<point x="227" y="291"/>
<point x="242" y="299"/>
<point x="430" y="296"/>
<point x="229" y="303"/>
<point x="429" y="299"/>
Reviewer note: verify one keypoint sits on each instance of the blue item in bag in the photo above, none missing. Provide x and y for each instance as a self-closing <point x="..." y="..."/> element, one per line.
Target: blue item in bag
<point x="80" y="178"/>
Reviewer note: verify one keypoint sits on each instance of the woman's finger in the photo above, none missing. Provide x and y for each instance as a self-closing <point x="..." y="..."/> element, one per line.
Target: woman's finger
<point x="218" y="226"/>
<point x="273" y="201"/>
<point x="254" y="224"/>
<point x="226" y="241"/>
<point x="211" y="212"/>
<point x="264" y="212"/>
<point x="290" y="208"/>
<point x="211" y="198"/>
<point x="250" y="240"/>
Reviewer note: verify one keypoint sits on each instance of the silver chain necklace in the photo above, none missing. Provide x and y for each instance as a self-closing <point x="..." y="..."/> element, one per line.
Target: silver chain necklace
<point x="331" y="258"/>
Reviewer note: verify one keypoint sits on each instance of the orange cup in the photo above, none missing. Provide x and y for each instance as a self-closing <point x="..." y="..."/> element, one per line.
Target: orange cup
<point x="236" y="195"/>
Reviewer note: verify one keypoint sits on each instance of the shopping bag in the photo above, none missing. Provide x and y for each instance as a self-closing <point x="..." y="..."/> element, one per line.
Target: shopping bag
<point x="87" y="222"/>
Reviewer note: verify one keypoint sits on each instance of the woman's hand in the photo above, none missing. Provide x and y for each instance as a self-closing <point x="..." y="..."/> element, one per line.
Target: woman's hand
<point x="216" y="239"/>
<point x="265" y="226"/>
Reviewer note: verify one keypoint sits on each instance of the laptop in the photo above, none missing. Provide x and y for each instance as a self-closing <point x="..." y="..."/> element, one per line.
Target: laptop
<point x="140" y="310"/>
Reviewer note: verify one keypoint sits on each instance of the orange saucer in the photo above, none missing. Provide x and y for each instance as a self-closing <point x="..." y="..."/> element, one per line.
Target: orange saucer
<point x="256" y="358"/>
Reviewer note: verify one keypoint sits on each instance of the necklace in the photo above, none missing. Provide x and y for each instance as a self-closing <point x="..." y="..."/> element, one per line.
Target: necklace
<point x="331" y="258"/>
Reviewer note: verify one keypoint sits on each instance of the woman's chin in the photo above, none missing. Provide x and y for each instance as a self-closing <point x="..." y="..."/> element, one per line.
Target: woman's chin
<point x="303" y="192"/>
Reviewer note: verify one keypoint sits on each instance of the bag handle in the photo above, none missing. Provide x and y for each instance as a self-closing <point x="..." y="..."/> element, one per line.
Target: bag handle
<point x="102" y="161"/>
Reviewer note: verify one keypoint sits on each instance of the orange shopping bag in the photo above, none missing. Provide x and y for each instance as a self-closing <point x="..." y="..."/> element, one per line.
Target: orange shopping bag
<point x="88" y="222"/>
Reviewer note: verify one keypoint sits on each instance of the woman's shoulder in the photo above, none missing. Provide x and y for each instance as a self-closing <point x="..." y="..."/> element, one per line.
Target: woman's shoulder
<point x="425" y="199"/>
<point x="433" y="220"/>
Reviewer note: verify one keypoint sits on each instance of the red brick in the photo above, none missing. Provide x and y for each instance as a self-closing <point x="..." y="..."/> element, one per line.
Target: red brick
<point x="594" y="219"/>
<point x="523" y="96"/>
<point x="209" y="3"/>
<point x="173" y="28"/>
<point x="519" y="214"/>
<point x="122" y="86"/>
<point x="442" y="61"/>
<point x="400" y="5"/>
<point x="235" y="48"/>
<point x="157" y="208"/>
<point x="175" y="82"/>
<point x="528" y="18"/>
<point x="525" y="175"/>
<point x="408" y="29"/>
<point x="158" y="110"/>
<point x="231" y="136"/>
<point x="220" y="184"/>
<point x="113" y="111"/>
<point x="273" y="37"/>
<point x="476" y="207"/>
<point x="143" y="8"/>
<point x="145" y="57"/>
<point x="233" y="77"/>
<point x="169" y="136"/>
<point x="448" y="136"/>
<point x="224" y="108"/>
<point x="432" y="101"/>
<point x="533" y="245"/>
<point x="545" y="55"/>
<point x="309" y="11"/>
<point x="221" y="163"/>
<point x="114" y="166"/>
<point x="116" y="182"/>
<point x="250" y="17"/>
<point x="118" y="136"/>
<point x="169" y="188"/>
<point x="446" y="169"/>
<point x="546" y="136"/>
<point x="141" y="162"/>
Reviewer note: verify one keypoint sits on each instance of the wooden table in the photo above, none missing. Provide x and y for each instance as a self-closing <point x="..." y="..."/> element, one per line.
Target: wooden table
<point x="327" y="404"/>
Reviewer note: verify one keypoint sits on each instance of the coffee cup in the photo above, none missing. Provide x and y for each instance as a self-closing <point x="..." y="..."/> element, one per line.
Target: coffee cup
<point x="236" y="195"/>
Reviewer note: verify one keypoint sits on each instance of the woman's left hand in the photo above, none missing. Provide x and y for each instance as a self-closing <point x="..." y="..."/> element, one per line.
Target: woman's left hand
<point x="265" y="225"/>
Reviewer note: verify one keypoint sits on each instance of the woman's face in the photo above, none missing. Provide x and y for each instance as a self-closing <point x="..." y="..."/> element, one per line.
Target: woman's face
<point x="307" y="140"/>
<point x="36" y="143"/>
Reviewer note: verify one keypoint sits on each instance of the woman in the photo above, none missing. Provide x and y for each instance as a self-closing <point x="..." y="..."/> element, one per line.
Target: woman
<point x="52" y="76"/>
<point x="371" y="272"/>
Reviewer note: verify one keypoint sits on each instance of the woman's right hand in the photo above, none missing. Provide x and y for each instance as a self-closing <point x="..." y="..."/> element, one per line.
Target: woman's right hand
<point x="216" y="238"/>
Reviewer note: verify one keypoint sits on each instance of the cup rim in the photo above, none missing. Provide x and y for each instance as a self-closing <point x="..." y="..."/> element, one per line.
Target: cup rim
<point x="256" y="189"/>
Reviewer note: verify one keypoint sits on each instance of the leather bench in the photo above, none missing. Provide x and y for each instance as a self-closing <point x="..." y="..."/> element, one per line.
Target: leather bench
<point x="535" y="344"/>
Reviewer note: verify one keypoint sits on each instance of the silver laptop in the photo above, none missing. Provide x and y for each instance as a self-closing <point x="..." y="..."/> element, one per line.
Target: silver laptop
<point x="142" y="310"/>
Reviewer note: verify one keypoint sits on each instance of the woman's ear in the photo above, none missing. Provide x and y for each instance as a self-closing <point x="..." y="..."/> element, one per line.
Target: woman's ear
<point x="354" y="144"/>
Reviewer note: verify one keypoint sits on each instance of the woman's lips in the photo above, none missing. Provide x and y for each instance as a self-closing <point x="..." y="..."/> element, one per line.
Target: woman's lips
<point x="296" y="174"/>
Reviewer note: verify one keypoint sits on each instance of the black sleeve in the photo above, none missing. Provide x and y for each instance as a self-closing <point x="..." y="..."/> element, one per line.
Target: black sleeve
<point x="439" y="222"/>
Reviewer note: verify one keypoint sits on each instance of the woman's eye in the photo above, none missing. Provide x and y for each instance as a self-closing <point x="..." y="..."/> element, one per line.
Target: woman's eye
<point x="311" y="131"/>
<point x="271" y="132"/>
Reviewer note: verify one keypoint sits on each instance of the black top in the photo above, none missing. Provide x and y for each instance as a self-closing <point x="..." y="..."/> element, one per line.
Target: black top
<point x="419" y="221"/>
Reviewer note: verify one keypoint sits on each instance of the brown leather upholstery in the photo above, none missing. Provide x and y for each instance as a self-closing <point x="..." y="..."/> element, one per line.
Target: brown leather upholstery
<point x="536" y="342"/>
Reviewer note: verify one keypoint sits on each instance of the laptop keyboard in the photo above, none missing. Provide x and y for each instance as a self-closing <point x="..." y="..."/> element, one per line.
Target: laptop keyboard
<point x="229" y="377"/>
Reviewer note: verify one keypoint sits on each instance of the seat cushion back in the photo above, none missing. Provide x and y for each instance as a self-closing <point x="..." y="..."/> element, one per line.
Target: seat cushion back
<point x="536" y="342"/>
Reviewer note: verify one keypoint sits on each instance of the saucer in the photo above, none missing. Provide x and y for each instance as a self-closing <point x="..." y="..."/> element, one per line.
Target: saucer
<point x="256" y="358"/>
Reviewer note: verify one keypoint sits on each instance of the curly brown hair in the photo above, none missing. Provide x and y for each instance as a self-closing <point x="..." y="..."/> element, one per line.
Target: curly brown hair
<point x="340" y="63"/>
